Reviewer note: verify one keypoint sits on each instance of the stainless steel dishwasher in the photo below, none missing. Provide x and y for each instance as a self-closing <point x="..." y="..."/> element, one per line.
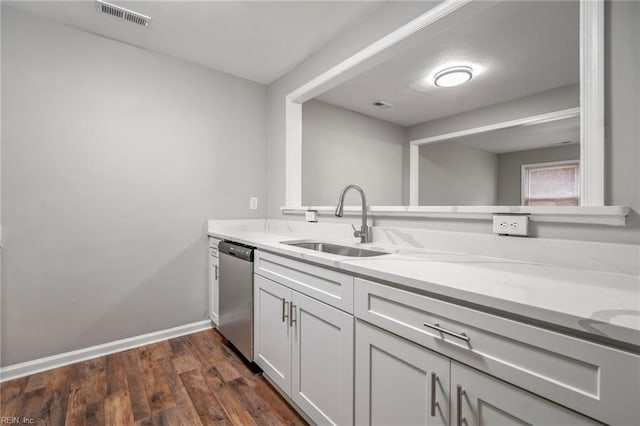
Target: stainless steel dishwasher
<point x="236" y="296"/>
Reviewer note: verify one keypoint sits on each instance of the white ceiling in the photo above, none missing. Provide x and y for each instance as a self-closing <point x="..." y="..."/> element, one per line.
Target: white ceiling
<point x="522" y="47"/>
<point x="256" y="40"/>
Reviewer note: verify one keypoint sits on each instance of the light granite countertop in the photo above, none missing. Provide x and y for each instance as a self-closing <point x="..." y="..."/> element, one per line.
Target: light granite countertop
<point x="602" y="305"/>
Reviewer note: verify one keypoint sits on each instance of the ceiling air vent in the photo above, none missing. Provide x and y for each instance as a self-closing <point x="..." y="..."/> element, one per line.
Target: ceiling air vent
<point x="122" y="13"/>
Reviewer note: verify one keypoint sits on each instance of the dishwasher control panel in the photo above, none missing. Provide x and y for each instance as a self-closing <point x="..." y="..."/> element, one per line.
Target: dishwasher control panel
<point x="237" y="250"/>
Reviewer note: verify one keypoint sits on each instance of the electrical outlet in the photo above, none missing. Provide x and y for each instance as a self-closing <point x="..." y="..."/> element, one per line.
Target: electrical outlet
<point x="511" y="225"/>
<point x="253" y="203"/>
<point x="311" y="216"/>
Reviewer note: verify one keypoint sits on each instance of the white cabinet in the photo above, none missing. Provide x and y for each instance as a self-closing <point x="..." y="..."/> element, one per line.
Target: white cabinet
<point x="483" y="400"/>
<point x="584" y="376"/>
<point x="272" y="332"/>
<point x="420" y="360"/>
<point x="306" y="348"/>
<point x="213" y="280"/>
<point x="213" y="289"/>
<point x="399" y="382"/>
<point x="322" y="364"/>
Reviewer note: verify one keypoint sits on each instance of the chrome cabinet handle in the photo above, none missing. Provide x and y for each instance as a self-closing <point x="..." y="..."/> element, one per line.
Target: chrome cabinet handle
<point x="216" y="266"/>
<point x="459" y="405"/>
<point x="437" y="327"/>
<point x="292" y="310"/>
<point x="284" y="310"/>
<point x="434" y="403"/>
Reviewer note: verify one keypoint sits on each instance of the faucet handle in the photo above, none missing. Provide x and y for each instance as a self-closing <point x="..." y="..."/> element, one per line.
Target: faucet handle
<point x="358" y="233"/>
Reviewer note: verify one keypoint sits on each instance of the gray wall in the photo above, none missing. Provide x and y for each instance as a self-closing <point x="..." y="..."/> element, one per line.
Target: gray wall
<point x="342" y="146"/>
<point x="509" y="168"/>
<point x="453" y="174"/>
<point x="113" y="159"/>
<point x="622" y="132"/>
<point x="622" y="109"/>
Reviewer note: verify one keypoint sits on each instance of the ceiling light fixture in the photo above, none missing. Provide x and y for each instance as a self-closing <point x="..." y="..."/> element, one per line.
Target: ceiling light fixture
<point x="453" y="76"/>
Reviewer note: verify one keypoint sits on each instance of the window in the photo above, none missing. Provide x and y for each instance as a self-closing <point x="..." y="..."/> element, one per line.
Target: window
<point x="551" y="184"/>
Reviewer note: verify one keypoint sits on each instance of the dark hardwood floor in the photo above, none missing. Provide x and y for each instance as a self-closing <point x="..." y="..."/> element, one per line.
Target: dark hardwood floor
<point x="190" y="380"/>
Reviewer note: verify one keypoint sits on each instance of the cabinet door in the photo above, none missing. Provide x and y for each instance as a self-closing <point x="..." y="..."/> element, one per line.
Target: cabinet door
<point x="322" y="376"/>
<point x="213" y="288"/>
<point x="272" y="332"/>
<point x="480" y="399"/>
<point x="399" y="382"/>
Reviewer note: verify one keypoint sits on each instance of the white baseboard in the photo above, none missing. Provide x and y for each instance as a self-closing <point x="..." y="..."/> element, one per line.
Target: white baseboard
<point x="42" y="364"/>
<point x="214" y="320"/>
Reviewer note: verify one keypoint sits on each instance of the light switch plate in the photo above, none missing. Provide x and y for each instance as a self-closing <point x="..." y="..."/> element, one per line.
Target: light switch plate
<point x="504" y="224"/>
<point x="253" y="203"/>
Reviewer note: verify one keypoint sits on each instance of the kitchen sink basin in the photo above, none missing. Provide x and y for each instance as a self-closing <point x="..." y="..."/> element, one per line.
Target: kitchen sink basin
<point x="334" y="248"/>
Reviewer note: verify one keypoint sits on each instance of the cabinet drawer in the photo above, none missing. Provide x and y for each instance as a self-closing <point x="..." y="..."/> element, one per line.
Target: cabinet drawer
<point x="331" y="287"/>
<point x="601" y="382"/>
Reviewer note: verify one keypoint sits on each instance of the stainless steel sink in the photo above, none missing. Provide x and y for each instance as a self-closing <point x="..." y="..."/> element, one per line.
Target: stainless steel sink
<point x="334" y="248"/>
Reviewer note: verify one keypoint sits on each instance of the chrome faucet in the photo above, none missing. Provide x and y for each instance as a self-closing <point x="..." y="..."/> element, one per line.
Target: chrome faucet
<point x="363" y="233"/>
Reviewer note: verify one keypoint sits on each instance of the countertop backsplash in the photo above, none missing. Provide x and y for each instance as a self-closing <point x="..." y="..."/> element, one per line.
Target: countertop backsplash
<point x="596" y="256"/>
